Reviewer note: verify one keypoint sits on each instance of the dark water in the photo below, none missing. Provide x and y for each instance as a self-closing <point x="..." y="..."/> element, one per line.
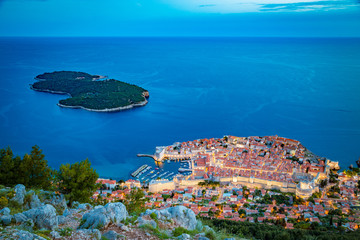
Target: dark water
<point x="306" y="89"/>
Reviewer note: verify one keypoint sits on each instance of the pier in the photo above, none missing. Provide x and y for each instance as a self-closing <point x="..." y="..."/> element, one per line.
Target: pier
<point x="150" y="156"/>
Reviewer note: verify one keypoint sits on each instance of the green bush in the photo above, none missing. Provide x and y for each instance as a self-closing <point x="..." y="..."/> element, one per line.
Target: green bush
<point x="153" y="216"/>
<point x="210" y="235"/>
<point x="180" y="230"/>
<point x="3" y="202"/>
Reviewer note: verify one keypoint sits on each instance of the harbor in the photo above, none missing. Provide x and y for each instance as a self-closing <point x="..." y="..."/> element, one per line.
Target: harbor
<point x="164" y="169"/>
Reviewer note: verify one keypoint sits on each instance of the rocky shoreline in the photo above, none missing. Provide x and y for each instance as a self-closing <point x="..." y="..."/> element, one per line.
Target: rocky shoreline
<point x="118" y="109"/>
<point x="48" y="91"/>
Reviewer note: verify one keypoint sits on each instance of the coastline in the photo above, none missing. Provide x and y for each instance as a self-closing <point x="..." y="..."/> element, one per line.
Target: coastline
<point x="49" y="91"/>
<point x="117" y="109"/>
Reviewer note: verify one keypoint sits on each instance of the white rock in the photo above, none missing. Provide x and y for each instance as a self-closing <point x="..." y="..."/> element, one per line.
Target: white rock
<point x="111" y="235"/>
<point x="19" y="194"/>
<point x="5" y="211"/>
<point x="181" y="215"/>
<point x="102" y="216"/>
<point x="89" y="234"/>
<point x="43" y="217"/>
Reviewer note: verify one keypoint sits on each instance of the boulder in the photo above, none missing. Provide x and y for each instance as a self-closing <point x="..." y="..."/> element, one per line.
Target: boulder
<point x="19" y="194"/>
<point x="25" y="235"/>
<point x="6" y="219"/>
<point x="20" y="218"/>
<point x="124" y="228"/>
<point x="88" y="234"/>
<point x="199" y="226"/>
<point x="142" y="221"/>
<point x="62" y="219"/>
<point x="55" y="199"/>
<point x="75" y="204"/>
<point x="111" y="235"/>
<point x="84" y="206"/>
<point x="58" y="201"/>
<point x="66" y="213"/>
<point x="43" y="217"/>
<point x="208" y="229"/>
<point x="102" y="216"/>
<point x="184" y="236"/>
<point x="35" y="201"/>
<point x="55" y="235"/>
<point x="5" y="211"/>
<point x="181" y="215"/>
<point x="27" y="225"/>
<point x="203" y="238"/>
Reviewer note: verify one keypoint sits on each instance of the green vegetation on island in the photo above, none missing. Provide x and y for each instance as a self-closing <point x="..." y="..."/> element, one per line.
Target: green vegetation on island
<point x="88" y="92"/>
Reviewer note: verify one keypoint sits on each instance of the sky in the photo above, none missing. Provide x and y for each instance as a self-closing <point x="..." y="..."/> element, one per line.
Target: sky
<point x="251" y="18"/>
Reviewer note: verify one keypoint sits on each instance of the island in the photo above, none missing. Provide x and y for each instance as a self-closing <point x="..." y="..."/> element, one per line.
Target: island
<point x="91" y="92"/>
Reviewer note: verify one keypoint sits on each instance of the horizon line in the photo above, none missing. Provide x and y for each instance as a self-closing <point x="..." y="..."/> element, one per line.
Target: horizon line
<point x="176" y="36"/>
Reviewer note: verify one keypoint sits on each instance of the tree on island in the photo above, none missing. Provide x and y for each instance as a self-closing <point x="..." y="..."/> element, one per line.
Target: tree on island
<point x="77" y="181"/>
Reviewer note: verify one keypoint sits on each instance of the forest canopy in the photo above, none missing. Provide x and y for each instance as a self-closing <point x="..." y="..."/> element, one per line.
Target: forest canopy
<point x="87" y="91"/>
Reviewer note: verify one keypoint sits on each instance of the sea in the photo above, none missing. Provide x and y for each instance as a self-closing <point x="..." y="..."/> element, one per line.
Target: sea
<point x="306" y="89"/>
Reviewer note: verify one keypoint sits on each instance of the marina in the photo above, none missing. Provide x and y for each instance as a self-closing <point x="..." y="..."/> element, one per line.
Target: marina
<point x="166" y="167"/>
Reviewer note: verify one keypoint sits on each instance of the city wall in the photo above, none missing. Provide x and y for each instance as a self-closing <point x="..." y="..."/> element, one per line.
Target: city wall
<point x="247" y="181"/>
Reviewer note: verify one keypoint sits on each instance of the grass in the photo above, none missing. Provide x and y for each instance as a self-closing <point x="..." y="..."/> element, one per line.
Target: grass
<point x="66" y="232"/>
<point x="210" y="235"/>
<point x="129" y="220"/>
<point x="180" y="230"/>
<point x="44" y="233"/>
<point x="15" y="207"/>
<point x="155" y="231"/>
<point x="82" y="222"/>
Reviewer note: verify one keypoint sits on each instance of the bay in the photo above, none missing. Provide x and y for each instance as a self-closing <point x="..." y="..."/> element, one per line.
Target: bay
<point x="302" y="88"/>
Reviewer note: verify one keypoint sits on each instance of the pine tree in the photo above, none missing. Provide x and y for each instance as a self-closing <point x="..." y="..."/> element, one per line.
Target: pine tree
<point x="34" y="170"/>
<point x="77" y="181"/>
<point x="7" y="168"/>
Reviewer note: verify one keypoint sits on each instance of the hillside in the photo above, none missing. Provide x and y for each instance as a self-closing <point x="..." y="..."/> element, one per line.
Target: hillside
<point x="45" y="215"/>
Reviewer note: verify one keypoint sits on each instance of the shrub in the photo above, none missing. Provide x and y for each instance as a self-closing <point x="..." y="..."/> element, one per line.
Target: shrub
<point x="153" y="216"/>
<point x="180" y="230"/>
<point x="3" y="202"/>
<point x="210" y="235"/>
<point x="10" y="194"/>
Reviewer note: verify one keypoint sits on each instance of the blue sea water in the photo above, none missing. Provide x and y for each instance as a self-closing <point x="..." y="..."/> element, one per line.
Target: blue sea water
<point x="301" y="88"/>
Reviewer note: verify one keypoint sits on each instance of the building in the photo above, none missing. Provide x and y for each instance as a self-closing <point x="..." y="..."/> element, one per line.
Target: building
<point x="160" y="185"/>
<point x="107" y="182"/>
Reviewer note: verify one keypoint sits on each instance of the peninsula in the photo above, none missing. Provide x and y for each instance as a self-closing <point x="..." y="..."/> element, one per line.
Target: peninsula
<point x="91" y="92"/>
